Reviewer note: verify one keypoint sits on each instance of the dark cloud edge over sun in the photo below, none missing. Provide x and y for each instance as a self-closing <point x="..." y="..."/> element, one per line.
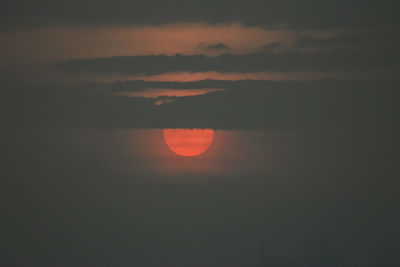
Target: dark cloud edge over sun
<point x="324" y="104"/>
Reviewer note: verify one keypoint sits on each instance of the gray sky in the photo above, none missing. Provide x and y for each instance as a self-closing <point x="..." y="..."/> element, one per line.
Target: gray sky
<point x="302" y="170"/>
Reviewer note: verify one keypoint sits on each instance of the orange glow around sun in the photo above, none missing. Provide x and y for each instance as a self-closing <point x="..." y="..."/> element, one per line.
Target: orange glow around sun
<point x="188" y="142"/>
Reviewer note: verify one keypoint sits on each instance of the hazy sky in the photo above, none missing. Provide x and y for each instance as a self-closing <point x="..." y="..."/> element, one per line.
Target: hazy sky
<point x="303" y="98"/>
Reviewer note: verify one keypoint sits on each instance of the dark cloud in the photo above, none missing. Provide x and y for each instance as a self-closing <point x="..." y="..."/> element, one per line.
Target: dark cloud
<point x="272" y="46"/>
<point x="364" y="40"/>
<point x="371" y="41"/>
<point x="309" y="14"/>
<point x="255" y="62"/>
<point x="322" y="104"/>
<point x="217" y="46"/>
<point x="61" y="106"/>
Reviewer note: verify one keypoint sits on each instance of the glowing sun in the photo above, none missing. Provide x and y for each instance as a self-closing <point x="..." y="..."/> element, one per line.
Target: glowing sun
<point x="188" y="142"/>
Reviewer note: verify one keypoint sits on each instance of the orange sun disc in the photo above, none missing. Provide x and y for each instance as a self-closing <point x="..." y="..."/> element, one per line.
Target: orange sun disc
<point x="188" y="142"/>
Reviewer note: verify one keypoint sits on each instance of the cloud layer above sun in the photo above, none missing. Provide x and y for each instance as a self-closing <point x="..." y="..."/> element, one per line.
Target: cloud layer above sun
<point x="219" y="64"/>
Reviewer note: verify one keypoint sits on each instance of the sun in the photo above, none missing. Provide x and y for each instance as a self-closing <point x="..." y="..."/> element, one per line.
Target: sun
<point x="188" y="142"/>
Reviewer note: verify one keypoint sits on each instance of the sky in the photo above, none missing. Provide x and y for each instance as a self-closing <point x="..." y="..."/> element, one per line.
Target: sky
<point x="302" y="97"/>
